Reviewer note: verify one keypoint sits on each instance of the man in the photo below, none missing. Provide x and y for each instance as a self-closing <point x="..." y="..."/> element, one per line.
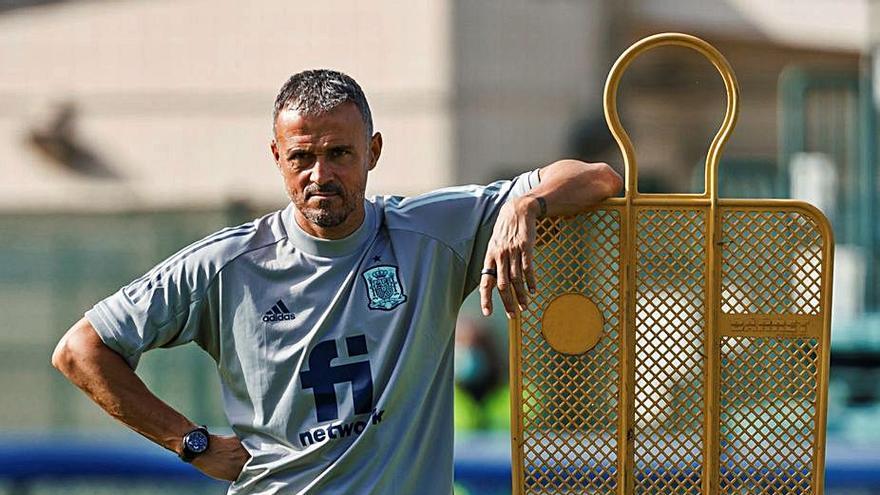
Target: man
<point x="331" y="321"/>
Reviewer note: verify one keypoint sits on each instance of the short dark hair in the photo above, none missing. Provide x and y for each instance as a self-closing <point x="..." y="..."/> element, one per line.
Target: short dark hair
<point x="314" y="92"/>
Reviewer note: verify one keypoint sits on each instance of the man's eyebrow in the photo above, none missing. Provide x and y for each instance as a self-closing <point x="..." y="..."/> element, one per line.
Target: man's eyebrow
<point x="298" y="147"/>
<point x="310" y="149"/>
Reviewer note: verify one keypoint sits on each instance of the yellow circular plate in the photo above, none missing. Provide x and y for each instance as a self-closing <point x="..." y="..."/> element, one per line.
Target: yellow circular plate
<point x="572" y="324"/>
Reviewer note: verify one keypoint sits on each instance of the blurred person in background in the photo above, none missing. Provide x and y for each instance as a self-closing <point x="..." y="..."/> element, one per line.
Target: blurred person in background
<point x="480" y="381"/>
<point x="331" y="321"/>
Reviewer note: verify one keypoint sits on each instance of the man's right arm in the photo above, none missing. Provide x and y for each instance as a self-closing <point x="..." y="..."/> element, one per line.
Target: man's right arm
<point x="109" y="381"/>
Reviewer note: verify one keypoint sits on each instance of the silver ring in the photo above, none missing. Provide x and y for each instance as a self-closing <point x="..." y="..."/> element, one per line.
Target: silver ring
<point x="489" y="271"/>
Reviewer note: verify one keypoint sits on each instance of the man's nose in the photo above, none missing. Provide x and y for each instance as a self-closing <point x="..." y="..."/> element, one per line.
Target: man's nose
<point x="321" y="171"/>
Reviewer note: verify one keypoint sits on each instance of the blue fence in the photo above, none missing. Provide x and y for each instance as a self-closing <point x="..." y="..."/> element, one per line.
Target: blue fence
<point x="482" y="465"/>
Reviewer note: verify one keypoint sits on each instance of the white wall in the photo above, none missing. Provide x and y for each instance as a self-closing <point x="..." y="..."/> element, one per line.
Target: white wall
<point x="177" y="95"/>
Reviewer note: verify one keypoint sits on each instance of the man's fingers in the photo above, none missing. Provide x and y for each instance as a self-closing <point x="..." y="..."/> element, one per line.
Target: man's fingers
<point x="488" y="279"/>
<point x="529" y="271"/>
<point x="517" y="280"/>
<point x="486" y="284"/>
<point x="504" y="284"/>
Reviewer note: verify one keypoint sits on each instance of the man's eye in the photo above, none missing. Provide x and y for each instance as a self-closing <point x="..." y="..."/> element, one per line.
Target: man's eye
<point x="339" y="152"/>
<point x="298" y="156"/>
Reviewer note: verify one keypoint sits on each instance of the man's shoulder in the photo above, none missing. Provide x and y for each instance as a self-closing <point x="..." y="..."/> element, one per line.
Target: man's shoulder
<point x="216" y="250"/>
<point x="439" y="205"/>
<point x="438" y="198"/>
<point x="445" y="215"/>
<point x="449" y="201"/>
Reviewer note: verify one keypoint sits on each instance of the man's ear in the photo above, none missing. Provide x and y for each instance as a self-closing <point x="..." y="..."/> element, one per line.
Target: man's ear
<point x="375" y="149"/>
<point x="274" y="147"/>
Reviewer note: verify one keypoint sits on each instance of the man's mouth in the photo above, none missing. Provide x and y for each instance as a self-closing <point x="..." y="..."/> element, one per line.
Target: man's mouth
<point x="322" y="193"/>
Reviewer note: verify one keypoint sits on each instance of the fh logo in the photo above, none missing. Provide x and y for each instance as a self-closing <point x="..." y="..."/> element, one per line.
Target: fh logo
<point x="322" y="378"/>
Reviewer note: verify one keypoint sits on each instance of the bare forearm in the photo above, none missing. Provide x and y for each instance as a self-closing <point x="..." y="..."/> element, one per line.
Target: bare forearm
<point x="108" y="380"/>
<point x="570" y="186"/>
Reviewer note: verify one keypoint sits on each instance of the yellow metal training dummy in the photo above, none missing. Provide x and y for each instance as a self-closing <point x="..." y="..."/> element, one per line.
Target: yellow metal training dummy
<point x="677" y="343"/>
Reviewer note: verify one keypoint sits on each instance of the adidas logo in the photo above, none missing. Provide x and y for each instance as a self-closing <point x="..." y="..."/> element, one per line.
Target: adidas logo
<point x="279" y="312"/>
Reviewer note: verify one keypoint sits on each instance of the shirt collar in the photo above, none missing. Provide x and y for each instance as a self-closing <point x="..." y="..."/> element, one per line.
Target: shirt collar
<point x="330" y="247"/>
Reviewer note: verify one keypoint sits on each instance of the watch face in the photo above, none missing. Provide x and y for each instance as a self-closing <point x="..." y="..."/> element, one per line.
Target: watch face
<point x="197" y="441"/>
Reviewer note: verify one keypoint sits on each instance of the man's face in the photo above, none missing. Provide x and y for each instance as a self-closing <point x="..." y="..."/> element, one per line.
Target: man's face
<point x="324" y="160"/>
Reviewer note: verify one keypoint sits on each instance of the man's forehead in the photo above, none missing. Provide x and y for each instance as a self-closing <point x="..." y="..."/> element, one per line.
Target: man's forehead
<point x="295" y="123"/>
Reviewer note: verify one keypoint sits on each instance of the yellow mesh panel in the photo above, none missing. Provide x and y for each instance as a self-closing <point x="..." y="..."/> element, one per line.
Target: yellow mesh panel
<point x="569" y="425"/>
<point x="670" y="342"/>
<point x="768" y="387"/>
<point x="783" y="280"/>
<point x="771" y="264"/>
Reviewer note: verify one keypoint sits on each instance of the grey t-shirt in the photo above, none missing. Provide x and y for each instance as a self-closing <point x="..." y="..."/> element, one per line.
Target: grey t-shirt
<point x="335" y="356"/>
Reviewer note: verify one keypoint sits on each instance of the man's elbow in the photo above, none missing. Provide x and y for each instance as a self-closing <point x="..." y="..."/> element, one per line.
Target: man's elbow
<point x="63" y="357"/>
<point x="607" y="182"/>
<point x="76" y="344"/>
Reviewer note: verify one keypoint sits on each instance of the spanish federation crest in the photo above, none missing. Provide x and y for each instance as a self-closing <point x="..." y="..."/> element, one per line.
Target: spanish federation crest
<point x="384" y="287"/>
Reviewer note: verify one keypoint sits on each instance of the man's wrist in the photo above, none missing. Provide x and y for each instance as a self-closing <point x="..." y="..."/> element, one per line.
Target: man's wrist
<point x="537" y="205"/>
<point x="542" y="204"/>
<point x="172" y="441"/>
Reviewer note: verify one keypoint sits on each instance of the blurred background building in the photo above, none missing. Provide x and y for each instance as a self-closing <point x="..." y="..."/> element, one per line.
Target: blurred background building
<point x="130" y="128"/>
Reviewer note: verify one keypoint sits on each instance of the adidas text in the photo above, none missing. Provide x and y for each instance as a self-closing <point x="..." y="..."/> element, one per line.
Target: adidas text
<point x="335" y="432"/>
<point x="278" y="317"/>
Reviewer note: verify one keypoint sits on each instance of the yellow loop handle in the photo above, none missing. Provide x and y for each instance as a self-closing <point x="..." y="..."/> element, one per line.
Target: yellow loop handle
<point x="626" y="147"/>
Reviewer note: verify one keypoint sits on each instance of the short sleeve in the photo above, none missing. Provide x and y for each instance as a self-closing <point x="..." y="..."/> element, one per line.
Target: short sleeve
<point x="488" y="205"/>
<point x="161" y="309"/>
<point x="462" y="217"/>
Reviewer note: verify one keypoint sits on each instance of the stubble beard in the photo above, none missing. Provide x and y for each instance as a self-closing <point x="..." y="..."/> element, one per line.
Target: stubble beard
<point x="325" y="215"/>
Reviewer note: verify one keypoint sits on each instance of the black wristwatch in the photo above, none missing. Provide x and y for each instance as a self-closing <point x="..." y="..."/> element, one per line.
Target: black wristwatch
<point x="194" y="443"/>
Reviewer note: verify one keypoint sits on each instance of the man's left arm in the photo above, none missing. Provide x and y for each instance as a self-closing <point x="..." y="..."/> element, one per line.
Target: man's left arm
<point x="567" y="187"/>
